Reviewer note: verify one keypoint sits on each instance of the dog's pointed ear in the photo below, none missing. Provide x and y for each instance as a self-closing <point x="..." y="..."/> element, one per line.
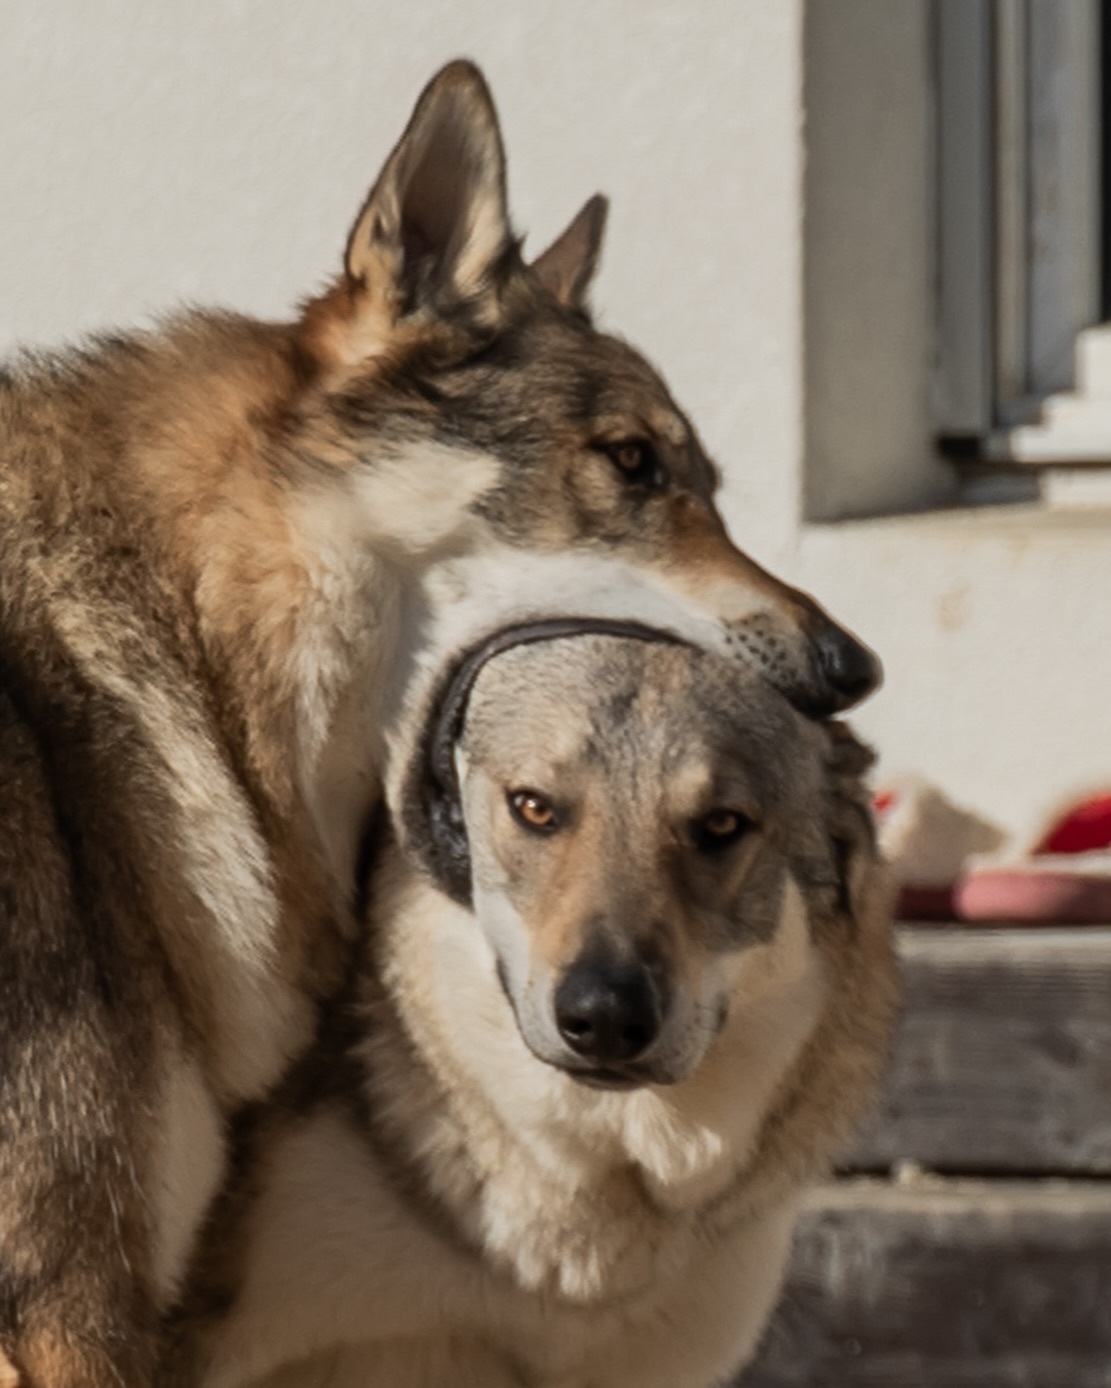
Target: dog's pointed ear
<point x="567" y="267"/>
<point x="436" y="221"/>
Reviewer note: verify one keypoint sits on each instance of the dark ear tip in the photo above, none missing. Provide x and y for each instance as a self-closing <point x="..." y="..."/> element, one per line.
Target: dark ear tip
<point x="460" y="77"/>
<point x="595" y="214"/>
<point x="458" y="70"/>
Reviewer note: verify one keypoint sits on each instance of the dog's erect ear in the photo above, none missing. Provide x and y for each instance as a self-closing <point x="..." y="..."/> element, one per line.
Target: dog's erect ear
<point x="568" y="265"/>
<point x="436" y="221"/>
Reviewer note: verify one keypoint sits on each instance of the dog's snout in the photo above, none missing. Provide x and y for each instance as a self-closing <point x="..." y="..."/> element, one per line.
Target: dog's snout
<point x="850" y="671"/>
<point x="608" y="1012"/>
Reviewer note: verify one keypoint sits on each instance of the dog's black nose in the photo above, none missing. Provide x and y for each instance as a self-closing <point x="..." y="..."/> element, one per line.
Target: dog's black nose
<point x="608" y="1011"/>
<point x="849" y="669"/>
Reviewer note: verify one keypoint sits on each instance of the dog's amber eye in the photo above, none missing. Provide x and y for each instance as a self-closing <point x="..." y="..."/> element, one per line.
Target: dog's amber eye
<point x="532" y="811"/>
<point x="719" y="829"/>
<point x="638" y="462"/>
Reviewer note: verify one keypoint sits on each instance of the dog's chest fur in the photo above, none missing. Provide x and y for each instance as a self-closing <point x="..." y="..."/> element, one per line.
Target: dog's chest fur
<point x="339" y="1258"/>
<point x="475" y="1197"/>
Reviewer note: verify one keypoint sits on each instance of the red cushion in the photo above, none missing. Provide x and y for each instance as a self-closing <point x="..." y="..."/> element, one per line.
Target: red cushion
<point x="1085" y="827"/>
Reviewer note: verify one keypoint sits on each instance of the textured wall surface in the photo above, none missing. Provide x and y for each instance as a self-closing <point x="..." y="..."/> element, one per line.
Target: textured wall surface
<point x="215" y="152"/>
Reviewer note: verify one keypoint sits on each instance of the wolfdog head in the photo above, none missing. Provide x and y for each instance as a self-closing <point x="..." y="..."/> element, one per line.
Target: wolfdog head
<point x="511" y="458"/>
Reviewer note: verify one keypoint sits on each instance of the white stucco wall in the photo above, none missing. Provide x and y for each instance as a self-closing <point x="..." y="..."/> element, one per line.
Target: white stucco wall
<point x="216" y="152"/>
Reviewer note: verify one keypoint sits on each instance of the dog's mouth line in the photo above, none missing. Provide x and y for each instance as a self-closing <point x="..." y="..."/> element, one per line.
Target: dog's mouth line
<point x="610" y="1077"/>
<point x="603" y="1077"/>
<point x="609" y="1080"/>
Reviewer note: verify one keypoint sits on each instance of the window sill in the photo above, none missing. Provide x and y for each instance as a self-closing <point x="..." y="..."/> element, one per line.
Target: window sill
<point x="1017" y="520"/>
<point x="1056" y="479"/>
<point x="1046" y="445"/>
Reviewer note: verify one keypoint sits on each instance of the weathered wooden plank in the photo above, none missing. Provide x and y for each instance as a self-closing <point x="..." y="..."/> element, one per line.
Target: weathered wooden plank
<point x="1003" y="1061"/>
<point x="946" y="1284"/>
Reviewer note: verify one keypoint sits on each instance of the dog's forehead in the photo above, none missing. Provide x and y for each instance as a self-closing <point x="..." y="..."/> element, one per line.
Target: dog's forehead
<point x="621" y="392"/>
<point x="539" y="703"/>
<point x="623" y="374"/>
<point x="583" y="372"/>
<point x="619" y="705"/>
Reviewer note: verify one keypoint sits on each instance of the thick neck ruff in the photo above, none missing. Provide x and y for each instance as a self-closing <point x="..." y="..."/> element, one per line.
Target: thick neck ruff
<point x="433" y="803"/>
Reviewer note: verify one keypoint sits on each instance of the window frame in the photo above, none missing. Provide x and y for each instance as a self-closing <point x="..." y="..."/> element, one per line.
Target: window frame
<point x="1020" y="372"/>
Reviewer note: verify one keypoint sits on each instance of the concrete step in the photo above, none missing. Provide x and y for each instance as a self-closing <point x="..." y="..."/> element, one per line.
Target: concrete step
<point x="996" y="1274"/>
<point x="1003" y="1059"/>
<point x="946" y="1284"/>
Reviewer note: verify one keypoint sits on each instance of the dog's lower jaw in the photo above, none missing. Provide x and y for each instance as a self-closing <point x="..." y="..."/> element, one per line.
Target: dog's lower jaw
<point x="608" y="1081"/>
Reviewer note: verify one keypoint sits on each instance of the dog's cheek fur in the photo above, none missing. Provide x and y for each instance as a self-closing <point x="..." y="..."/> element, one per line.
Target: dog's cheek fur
<point x="770" y="996"/>
<point x="838" y="1071"/>
<point x="505" y="867"/>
